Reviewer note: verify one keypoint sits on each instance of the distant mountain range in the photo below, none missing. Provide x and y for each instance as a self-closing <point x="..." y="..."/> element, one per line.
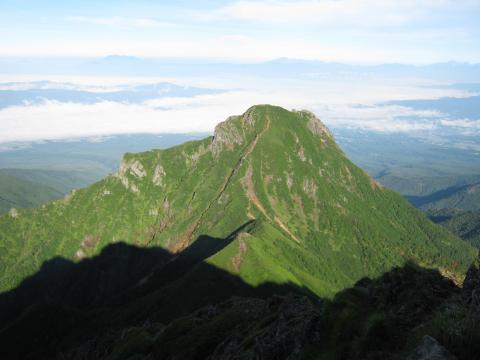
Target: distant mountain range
<point x="134" y="66"/>
<point x="16" y="94"/>
<point x="456" y="108"/>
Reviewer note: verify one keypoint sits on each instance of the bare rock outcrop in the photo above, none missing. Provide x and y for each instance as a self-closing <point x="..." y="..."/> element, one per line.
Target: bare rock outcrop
<point x="13" y="213"/>
<point x="158" y="175"/>
<point x="226" y="135"/>
<point x="315" y="125"/>
<point x="133" y="168"/>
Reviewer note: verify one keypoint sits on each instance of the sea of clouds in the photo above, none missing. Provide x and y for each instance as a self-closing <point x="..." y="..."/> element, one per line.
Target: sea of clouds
<point x="344" y="103"/>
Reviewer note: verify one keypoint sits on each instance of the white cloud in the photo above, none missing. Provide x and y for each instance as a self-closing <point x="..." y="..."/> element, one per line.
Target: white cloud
<point x="118" y="21"/>
<point x="368" y="13"/>
<point x="473" y="124"/>
<point x="56" y="120"/>
<point x="335" y="101"/>
<point x="386" y="118"/>
<point x="52" y="85"/>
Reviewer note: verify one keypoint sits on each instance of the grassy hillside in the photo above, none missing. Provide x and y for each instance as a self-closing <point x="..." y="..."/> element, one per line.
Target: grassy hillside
<point x="16" y="192"/>
<point x="465" y="197"/>
<point x="61" y="181"/>
<point x="411" y="165"/>
<point x="321" y="223"/>
<point x="28" y="188"/>
<point x="36" y="173"/>
<point x="465" y="224"/>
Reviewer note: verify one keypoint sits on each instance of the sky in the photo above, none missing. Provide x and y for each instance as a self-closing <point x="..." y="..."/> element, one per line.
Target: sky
<point x="351" y="31"/>
<point x="347" y="31"/>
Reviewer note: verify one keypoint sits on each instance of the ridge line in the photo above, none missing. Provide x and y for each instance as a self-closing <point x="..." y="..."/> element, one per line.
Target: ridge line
<point x="246" y="152"/>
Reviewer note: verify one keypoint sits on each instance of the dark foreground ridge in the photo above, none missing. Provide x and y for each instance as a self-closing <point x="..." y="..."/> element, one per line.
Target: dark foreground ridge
<point x="145" y="303"/>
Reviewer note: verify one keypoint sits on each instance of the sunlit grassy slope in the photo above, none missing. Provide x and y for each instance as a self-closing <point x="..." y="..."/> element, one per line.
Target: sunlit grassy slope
<point x="465" y="224"/>
<point x="16" y="192"/>
<point x="320" y="221"/>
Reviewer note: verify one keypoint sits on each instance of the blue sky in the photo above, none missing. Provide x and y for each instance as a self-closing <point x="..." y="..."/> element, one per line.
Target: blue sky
<point x="354" y="31"/>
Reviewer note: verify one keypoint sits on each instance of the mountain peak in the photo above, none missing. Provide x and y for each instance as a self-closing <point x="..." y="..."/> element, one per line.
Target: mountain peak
<point x="260" y="118"/>
<point x="320" y="221"/>
<point x="315" y="125"/>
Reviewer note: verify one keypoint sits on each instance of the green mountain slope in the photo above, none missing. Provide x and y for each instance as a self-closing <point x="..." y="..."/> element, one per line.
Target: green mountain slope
<point x="465" y="224"/>
<point x="27" y="188"/>
<point x="16" y="192"/>
<point x="54" y="168"/>
<point x="411" y="165"/>
<point x="61" y="181"/>
<point x="321" y="223"/>
<point x="465" y="197"/>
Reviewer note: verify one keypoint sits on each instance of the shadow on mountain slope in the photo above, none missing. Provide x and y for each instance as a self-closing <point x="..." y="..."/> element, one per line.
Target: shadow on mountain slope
<point x="442" y="195"/>
<point x="146" y="303"/>
<point x="65" y="302"/>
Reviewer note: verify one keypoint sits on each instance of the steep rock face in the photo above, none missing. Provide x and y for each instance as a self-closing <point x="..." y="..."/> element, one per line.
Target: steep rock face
<point x="315" y="125"/>
<point x="226" y="135"/>
<point x="320" y="221"/>
<point x="129" y="170"/>
<point x="158" y="175"/>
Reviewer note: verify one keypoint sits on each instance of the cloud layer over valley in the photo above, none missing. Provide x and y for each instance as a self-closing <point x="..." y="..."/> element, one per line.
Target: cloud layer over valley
<point x="52" y="110"/>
